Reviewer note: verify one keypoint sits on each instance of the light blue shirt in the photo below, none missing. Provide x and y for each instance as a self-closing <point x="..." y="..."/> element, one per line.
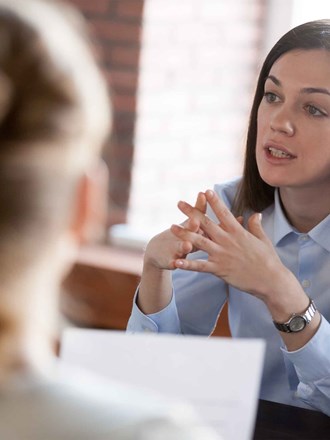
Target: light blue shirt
<point x="300" y="378"/>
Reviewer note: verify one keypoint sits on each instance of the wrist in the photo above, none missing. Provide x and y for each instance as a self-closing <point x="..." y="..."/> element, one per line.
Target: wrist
<point x="285" y="297"/>
<point x="151" y="264"/>
<point x="156" y="256"/>
<point x="155" y="291"/>
<point x="298" y="321"/>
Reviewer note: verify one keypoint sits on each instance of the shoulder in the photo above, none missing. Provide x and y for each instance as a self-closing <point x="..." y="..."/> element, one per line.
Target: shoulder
<point x="163" y="430"/>
<point x="95" y="408"/>
<point x="227" y="190"/>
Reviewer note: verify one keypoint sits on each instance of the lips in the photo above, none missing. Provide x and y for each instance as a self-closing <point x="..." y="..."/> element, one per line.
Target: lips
<point x="278" y="152"/>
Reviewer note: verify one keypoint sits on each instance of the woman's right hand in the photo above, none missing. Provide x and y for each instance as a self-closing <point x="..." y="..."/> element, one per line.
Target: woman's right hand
<point x="164" y="248"/>
<point x="162" y="251"/>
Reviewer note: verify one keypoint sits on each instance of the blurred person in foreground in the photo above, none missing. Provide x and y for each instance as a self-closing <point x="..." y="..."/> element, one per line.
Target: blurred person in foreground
<point x="54" y="118"/>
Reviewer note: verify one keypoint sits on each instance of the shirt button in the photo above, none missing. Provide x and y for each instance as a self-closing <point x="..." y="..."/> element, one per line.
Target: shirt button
<point x="303" y="237"/>
<point x="306" y="283"/>
<point x="147" y="330"/>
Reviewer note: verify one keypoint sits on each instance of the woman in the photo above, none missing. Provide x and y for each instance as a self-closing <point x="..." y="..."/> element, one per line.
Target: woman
<point x="275" y="274"/>
<point x="54" y="118"/>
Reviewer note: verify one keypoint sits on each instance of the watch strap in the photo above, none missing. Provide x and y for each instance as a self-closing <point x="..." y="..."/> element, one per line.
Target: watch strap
<point x="306" y="316"/>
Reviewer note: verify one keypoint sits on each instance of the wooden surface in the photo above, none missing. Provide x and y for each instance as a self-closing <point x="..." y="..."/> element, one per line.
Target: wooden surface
<point x="99" y="291"/>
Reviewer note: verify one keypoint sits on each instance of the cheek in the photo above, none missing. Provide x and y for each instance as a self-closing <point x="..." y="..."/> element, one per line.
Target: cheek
<point x="314" y="141"/>
<point x="263" y="123"/>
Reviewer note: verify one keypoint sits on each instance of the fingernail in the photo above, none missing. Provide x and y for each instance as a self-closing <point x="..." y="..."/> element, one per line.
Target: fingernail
<point x="179" y="263"/>
<point x="178" y="226"/>
<point x="210" y="193"/>
<point x="259" y="216"/>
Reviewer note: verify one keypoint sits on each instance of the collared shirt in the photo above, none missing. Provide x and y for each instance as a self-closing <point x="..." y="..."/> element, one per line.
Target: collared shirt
<point x="300" y="378"/>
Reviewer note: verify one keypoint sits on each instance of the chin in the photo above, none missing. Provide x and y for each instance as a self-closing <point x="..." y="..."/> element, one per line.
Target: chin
<point x="274" y="181"/>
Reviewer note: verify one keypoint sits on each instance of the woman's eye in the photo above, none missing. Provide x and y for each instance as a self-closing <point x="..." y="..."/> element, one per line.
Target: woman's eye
<point x="270" y="97"/>
<point x="314" y="111"/>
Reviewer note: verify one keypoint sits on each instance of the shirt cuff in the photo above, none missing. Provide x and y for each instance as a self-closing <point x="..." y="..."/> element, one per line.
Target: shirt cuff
<point x="164" y="321"/>
<point x="312" y="361"/>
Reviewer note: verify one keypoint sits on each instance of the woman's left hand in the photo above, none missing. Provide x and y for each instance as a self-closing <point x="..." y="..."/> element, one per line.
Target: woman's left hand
<point x="247" y="260"/>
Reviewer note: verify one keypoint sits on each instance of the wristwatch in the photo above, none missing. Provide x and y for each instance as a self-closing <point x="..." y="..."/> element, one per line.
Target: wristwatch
<point x="297" y="322"/>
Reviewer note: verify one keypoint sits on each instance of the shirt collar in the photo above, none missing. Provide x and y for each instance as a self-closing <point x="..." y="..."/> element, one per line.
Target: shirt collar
<point x="320" y="234"/>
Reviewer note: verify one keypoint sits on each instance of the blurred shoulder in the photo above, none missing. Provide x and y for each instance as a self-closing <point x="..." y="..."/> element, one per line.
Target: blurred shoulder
<point x="83" y="406"/>
<point x="127" y="412"/>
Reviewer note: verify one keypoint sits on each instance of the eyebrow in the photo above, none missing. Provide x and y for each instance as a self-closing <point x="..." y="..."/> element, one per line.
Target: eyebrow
<point x="307" y="90"/>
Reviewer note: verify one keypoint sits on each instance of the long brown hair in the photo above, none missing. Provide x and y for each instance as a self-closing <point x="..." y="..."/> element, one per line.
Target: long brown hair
<point x="255" y="194"/>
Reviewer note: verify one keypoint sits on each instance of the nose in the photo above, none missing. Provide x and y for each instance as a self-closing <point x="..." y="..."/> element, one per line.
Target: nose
<point x="282" y="121"/>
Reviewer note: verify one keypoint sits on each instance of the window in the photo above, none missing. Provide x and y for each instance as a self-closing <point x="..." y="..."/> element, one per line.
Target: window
<point x="198" y="68"/>
<point x="197" y="73"/>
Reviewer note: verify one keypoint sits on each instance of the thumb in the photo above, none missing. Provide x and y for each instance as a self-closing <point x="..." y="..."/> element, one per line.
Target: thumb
<point x="255" y="227"/>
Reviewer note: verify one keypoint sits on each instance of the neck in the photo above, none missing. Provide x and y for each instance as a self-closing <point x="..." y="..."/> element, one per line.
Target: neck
<point x="28" y="323"/>
<point x="304" y="208"/>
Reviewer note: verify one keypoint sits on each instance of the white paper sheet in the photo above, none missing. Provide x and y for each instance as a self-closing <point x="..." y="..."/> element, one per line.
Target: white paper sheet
<point x="220" y="377"/>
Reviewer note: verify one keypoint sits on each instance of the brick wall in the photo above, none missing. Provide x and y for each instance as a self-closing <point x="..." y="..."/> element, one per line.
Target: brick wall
<point x="182" y="121"/>
<point x="198" y="68"/>
<point x="116" y="25"/>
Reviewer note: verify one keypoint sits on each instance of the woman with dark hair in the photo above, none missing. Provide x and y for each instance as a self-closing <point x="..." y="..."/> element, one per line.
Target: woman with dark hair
<point x="265" y="244"/>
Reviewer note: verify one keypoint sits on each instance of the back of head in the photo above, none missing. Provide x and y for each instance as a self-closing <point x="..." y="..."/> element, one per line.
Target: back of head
<point x="54" y="118"/>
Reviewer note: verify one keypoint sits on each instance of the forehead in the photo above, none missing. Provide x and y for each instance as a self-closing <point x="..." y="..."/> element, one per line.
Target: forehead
<point x="307" y="67"/>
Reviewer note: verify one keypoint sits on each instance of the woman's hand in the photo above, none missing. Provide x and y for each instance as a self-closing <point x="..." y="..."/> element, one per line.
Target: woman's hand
<point x="243" y="258"/>
<point x="247" y="260"/>
<point x="165" y="248"/>
<point x="162" y="251"/>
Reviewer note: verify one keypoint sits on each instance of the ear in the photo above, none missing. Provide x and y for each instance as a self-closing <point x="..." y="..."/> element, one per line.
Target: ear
<point x="90" y="213"/>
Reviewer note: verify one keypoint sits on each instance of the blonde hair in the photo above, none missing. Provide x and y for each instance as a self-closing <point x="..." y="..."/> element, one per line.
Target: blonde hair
<point x="54" y="116"/>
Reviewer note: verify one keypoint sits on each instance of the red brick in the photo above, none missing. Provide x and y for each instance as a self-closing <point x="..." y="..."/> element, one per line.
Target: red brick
<point x="119" y="189"/>
<point x="119" y="79"/>
<point x="124" y="103"/>
<point x="90" y="6"/>
<point x="124" y="123"/>
<point x="124" y="150"/>
<point x="116" y="215"/>
<point x="126" y="57"/>
<point x="123" y="169"/>
<point x="124" y="32"/>
<point x="130" y="8"/>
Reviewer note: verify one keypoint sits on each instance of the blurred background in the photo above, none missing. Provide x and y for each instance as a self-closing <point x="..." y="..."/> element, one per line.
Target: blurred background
<point x="182" y="75"/>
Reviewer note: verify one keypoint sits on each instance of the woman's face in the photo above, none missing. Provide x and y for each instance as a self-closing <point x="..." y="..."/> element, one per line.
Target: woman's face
<point x="293" y="137"/>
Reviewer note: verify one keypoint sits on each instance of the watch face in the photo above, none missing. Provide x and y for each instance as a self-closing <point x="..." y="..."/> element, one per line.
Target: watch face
<point x="297" y="323"/>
